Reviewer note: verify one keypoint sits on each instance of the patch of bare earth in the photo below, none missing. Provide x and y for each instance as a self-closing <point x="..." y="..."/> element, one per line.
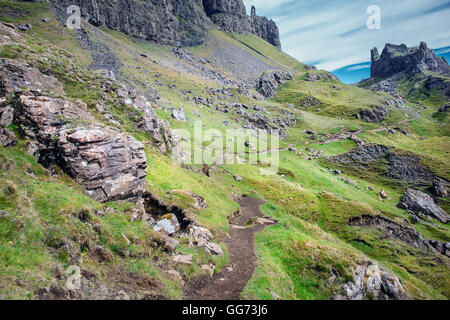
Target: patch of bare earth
<point x="229" y="284"/>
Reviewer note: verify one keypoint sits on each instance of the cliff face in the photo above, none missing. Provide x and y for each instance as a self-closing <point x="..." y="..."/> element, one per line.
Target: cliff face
<point x="231" y="15"/>
<point x="400" y="58"/>
<point x="173" y="22"/>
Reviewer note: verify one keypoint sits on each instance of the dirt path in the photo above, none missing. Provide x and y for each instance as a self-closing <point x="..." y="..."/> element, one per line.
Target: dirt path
<point x="229" y="284"/>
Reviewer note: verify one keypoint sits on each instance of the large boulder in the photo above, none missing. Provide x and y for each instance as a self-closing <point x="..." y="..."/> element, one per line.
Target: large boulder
<point x="15" y="76"/>
<point x="167" y="225"/>
<point x="374" y="115"/>
<point x="270" y="81"/>
<point x="40" y="118"/>
<point x="107" y="163"/>
<point x="420" y="202"/>
<point x="370" y="281"/>
<point x="178" y="114"/>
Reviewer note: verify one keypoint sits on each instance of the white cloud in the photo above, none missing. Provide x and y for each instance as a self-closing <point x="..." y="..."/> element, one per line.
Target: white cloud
<point x="333" y="33"/>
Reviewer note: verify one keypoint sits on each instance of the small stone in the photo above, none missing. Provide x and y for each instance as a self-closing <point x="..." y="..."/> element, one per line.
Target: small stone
<point x="208" y="268"/>
<point x="168" y="225"/>
<point x="175" y="274"/>
<point x="183" y="259"/>
<point x="213" y="248"/>
<point x="7" y="138"/>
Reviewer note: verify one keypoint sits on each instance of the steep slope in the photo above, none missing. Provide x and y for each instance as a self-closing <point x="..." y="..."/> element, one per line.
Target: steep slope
<point x="339" y="232"/>
<point x="174" y="22"/>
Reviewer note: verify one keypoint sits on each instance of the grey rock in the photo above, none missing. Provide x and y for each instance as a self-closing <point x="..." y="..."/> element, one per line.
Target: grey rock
<point x="200" y="234"/>
<point x="371" y="281"/>
<point x="32" y="149"/>
<point x="108" y="164"/>
<point x="213" y="248"/>
<point x="420" y="202"/>
<point x="178" y="114"/>
<point x="167" y="242"/>
<point x="444" y="108"/>
<point x="15" y="75"/>
<point x="320" y="76"/>
<point x="402" y="167"/>
<point x="168" y="225"/>
<point x="391" y="229"/>
<point x="162" y="135"/>
<point x="310" y="101"/>
<point x="399" y="58"/>
<point x="440" y="187"/>
<point x="7" y="138"/>
<point x="374" y="115"/>
<point x="270" y="81"/>
<point x="6" y="116"/>
<point x="173" y="22"/>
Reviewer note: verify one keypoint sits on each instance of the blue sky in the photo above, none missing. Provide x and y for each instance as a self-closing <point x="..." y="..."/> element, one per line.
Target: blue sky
<point x="332" y="34"/>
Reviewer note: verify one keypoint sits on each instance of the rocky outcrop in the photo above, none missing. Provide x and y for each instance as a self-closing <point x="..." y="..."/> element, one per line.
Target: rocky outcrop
<point x="420" y="202"/>
<point x="173" y="22"/>
<point x="398" y="231"/>
<point x="15" y="76"/>
<point x="399" y="58"/>
<point x="400" y="167"/>
<point x="163" y="137"/>
<point x="107" y="163"/>
<point x="372" y="282"/>
<point x="231" y="15"/>
<point x="320" y="76"/>
<point x="440" y="187"/>
<point x="419" y="65"/>
<point x="270" y="81"/>
<point x="7" y="138"/>
<point x="8" y="34"/>
<point x="374" y="115"/>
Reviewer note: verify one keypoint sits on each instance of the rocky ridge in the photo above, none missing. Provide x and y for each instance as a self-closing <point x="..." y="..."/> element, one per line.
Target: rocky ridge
<point x="108" y="163"/>
<point x="398" y="62"/>
<point x="399" y="58"/>
<point x="173" y="22"/>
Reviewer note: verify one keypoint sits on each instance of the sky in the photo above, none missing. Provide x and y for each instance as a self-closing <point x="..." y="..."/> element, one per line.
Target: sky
<point x="333" y="34"/>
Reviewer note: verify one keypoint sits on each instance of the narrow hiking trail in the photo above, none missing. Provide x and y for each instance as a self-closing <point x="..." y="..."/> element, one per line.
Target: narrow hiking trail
<point x="229" y="284"/>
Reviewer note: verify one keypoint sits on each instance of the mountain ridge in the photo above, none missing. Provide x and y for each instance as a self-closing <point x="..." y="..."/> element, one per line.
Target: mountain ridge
<point x="174" y="22"/>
